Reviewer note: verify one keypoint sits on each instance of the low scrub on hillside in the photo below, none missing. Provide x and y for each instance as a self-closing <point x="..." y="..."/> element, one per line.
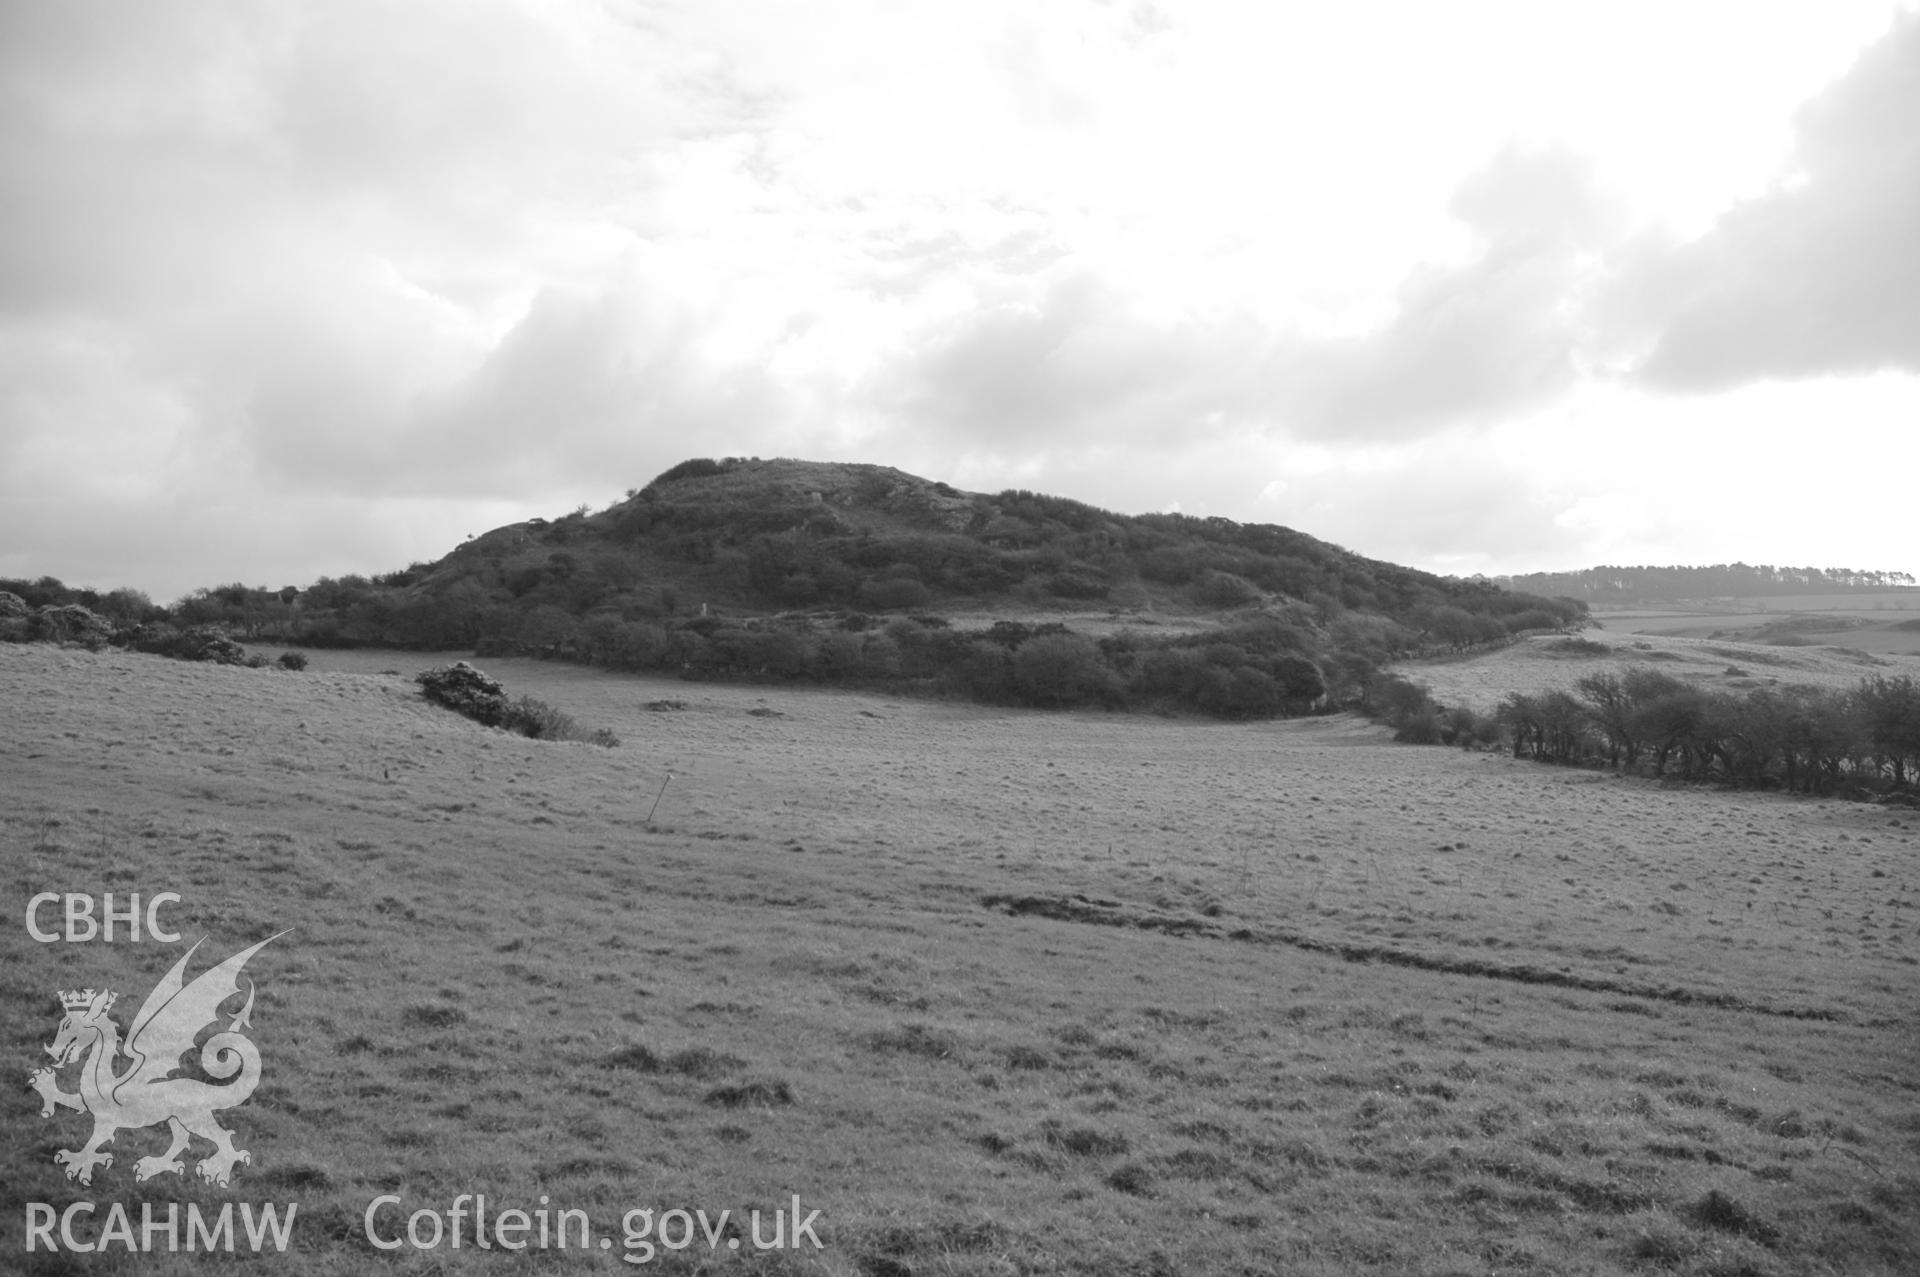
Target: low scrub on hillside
<point x="1252" y="671"/>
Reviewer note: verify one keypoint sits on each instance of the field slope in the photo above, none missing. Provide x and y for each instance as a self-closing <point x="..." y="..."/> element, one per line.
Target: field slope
<point x="997" y="992"/>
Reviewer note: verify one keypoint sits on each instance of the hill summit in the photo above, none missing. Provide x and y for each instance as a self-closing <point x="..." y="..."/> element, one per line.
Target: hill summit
<point x="782" y="535"/>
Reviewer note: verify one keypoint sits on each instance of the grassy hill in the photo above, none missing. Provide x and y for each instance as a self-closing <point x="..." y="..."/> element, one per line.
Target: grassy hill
<point x="784" y="570"/>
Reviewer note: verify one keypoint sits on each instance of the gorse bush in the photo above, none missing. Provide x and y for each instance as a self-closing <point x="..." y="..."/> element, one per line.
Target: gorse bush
<point x="68" y="623"/>
<point x="194" y="643"/>
<point x="467" y="691"/>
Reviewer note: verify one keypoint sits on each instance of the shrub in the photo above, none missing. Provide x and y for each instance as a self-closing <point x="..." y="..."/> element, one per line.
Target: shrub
<point x="1397" y="700"/>
<point x="881" y="657"/>
<point x="69" y="623"/>
<point x="12" y="605"/>
<point x="1169" y="671"/>
<point x="1462" y="727"/>
<point x="1058" y="670"/>
<point x="839" y="656"/>
<point x="538" y="720"/>
<point x="692" y="468"/>
<point x="894" y="593"/>
<point x="195" y="643"/>
<point x="1079" y="581"/>
<point x="1252" y="693"/>
<point x="1301" y="682"/>
<point x="465" y="690"/>
<point x="1224" y="589"/>
<point x="293" y="660"/>
<point x="979" y="669"/>
<point x="1422" y="727"/>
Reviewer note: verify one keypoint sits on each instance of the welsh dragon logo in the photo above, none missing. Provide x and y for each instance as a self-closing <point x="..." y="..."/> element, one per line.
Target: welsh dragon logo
<point x="146" y="1092"/>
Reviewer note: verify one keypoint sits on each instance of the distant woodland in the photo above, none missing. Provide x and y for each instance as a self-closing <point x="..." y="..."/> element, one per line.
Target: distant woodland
<point x="1616" y="585"/>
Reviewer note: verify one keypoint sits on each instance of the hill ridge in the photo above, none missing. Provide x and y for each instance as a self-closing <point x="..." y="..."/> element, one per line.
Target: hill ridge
<point x="857" y="573"/>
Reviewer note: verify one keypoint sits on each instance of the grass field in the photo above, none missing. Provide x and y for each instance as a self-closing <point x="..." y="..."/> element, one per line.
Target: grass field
<point x="1730" y="660"/>
<point x="996" y="992"/>
<point x="1887" y="625"/>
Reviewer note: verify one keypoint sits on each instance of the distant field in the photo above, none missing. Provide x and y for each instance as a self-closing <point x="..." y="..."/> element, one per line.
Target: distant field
<point x="1888" y="625"/>
<point x="1881" y="602"/>
<point x="1541" y="663"/>
<point x="998" y="992"/>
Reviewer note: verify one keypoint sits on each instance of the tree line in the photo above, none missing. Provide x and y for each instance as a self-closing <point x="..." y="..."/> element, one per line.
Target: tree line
<point x="1617" y="585"/>
<point x="1642" y="721"/>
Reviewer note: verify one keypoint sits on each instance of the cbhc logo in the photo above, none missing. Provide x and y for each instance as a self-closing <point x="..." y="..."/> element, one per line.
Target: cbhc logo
<point x="82" y="926"/>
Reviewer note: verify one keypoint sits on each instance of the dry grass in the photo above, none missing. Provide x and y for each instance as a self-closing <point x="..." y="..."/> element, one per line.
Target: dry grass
<point x="1000" y="992"/>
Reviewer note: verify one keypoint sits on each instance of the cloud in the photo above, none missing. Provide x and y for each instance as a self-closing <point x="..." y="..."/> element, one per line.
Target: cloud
<point x="1448" y="503"/>
<point x="296" y="267"/>
<point x="1462" y="344"/>
<point x="1079" y="363"/>
<point x="290" y="268"/>
<point x="1820" y="275"/>
<point x="1467" y="343"/>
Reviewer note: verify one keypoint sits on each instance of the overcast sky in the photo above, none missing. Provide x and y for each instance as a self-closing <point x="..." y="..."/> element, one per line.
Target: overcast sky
<point x="297" y="288"/>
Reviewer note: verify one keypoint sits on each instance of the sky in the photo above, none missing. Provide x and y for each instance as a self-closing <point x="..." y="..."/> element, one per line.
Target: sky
<point x="292" y="288"/>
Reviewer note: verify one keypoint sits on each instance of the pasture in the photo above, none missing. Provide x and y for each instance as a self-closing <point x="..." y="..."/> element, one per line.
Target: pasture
<point x="1714" y="660"/>
<point x="996" y="991"/>
<point x="1882" y="625"/>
